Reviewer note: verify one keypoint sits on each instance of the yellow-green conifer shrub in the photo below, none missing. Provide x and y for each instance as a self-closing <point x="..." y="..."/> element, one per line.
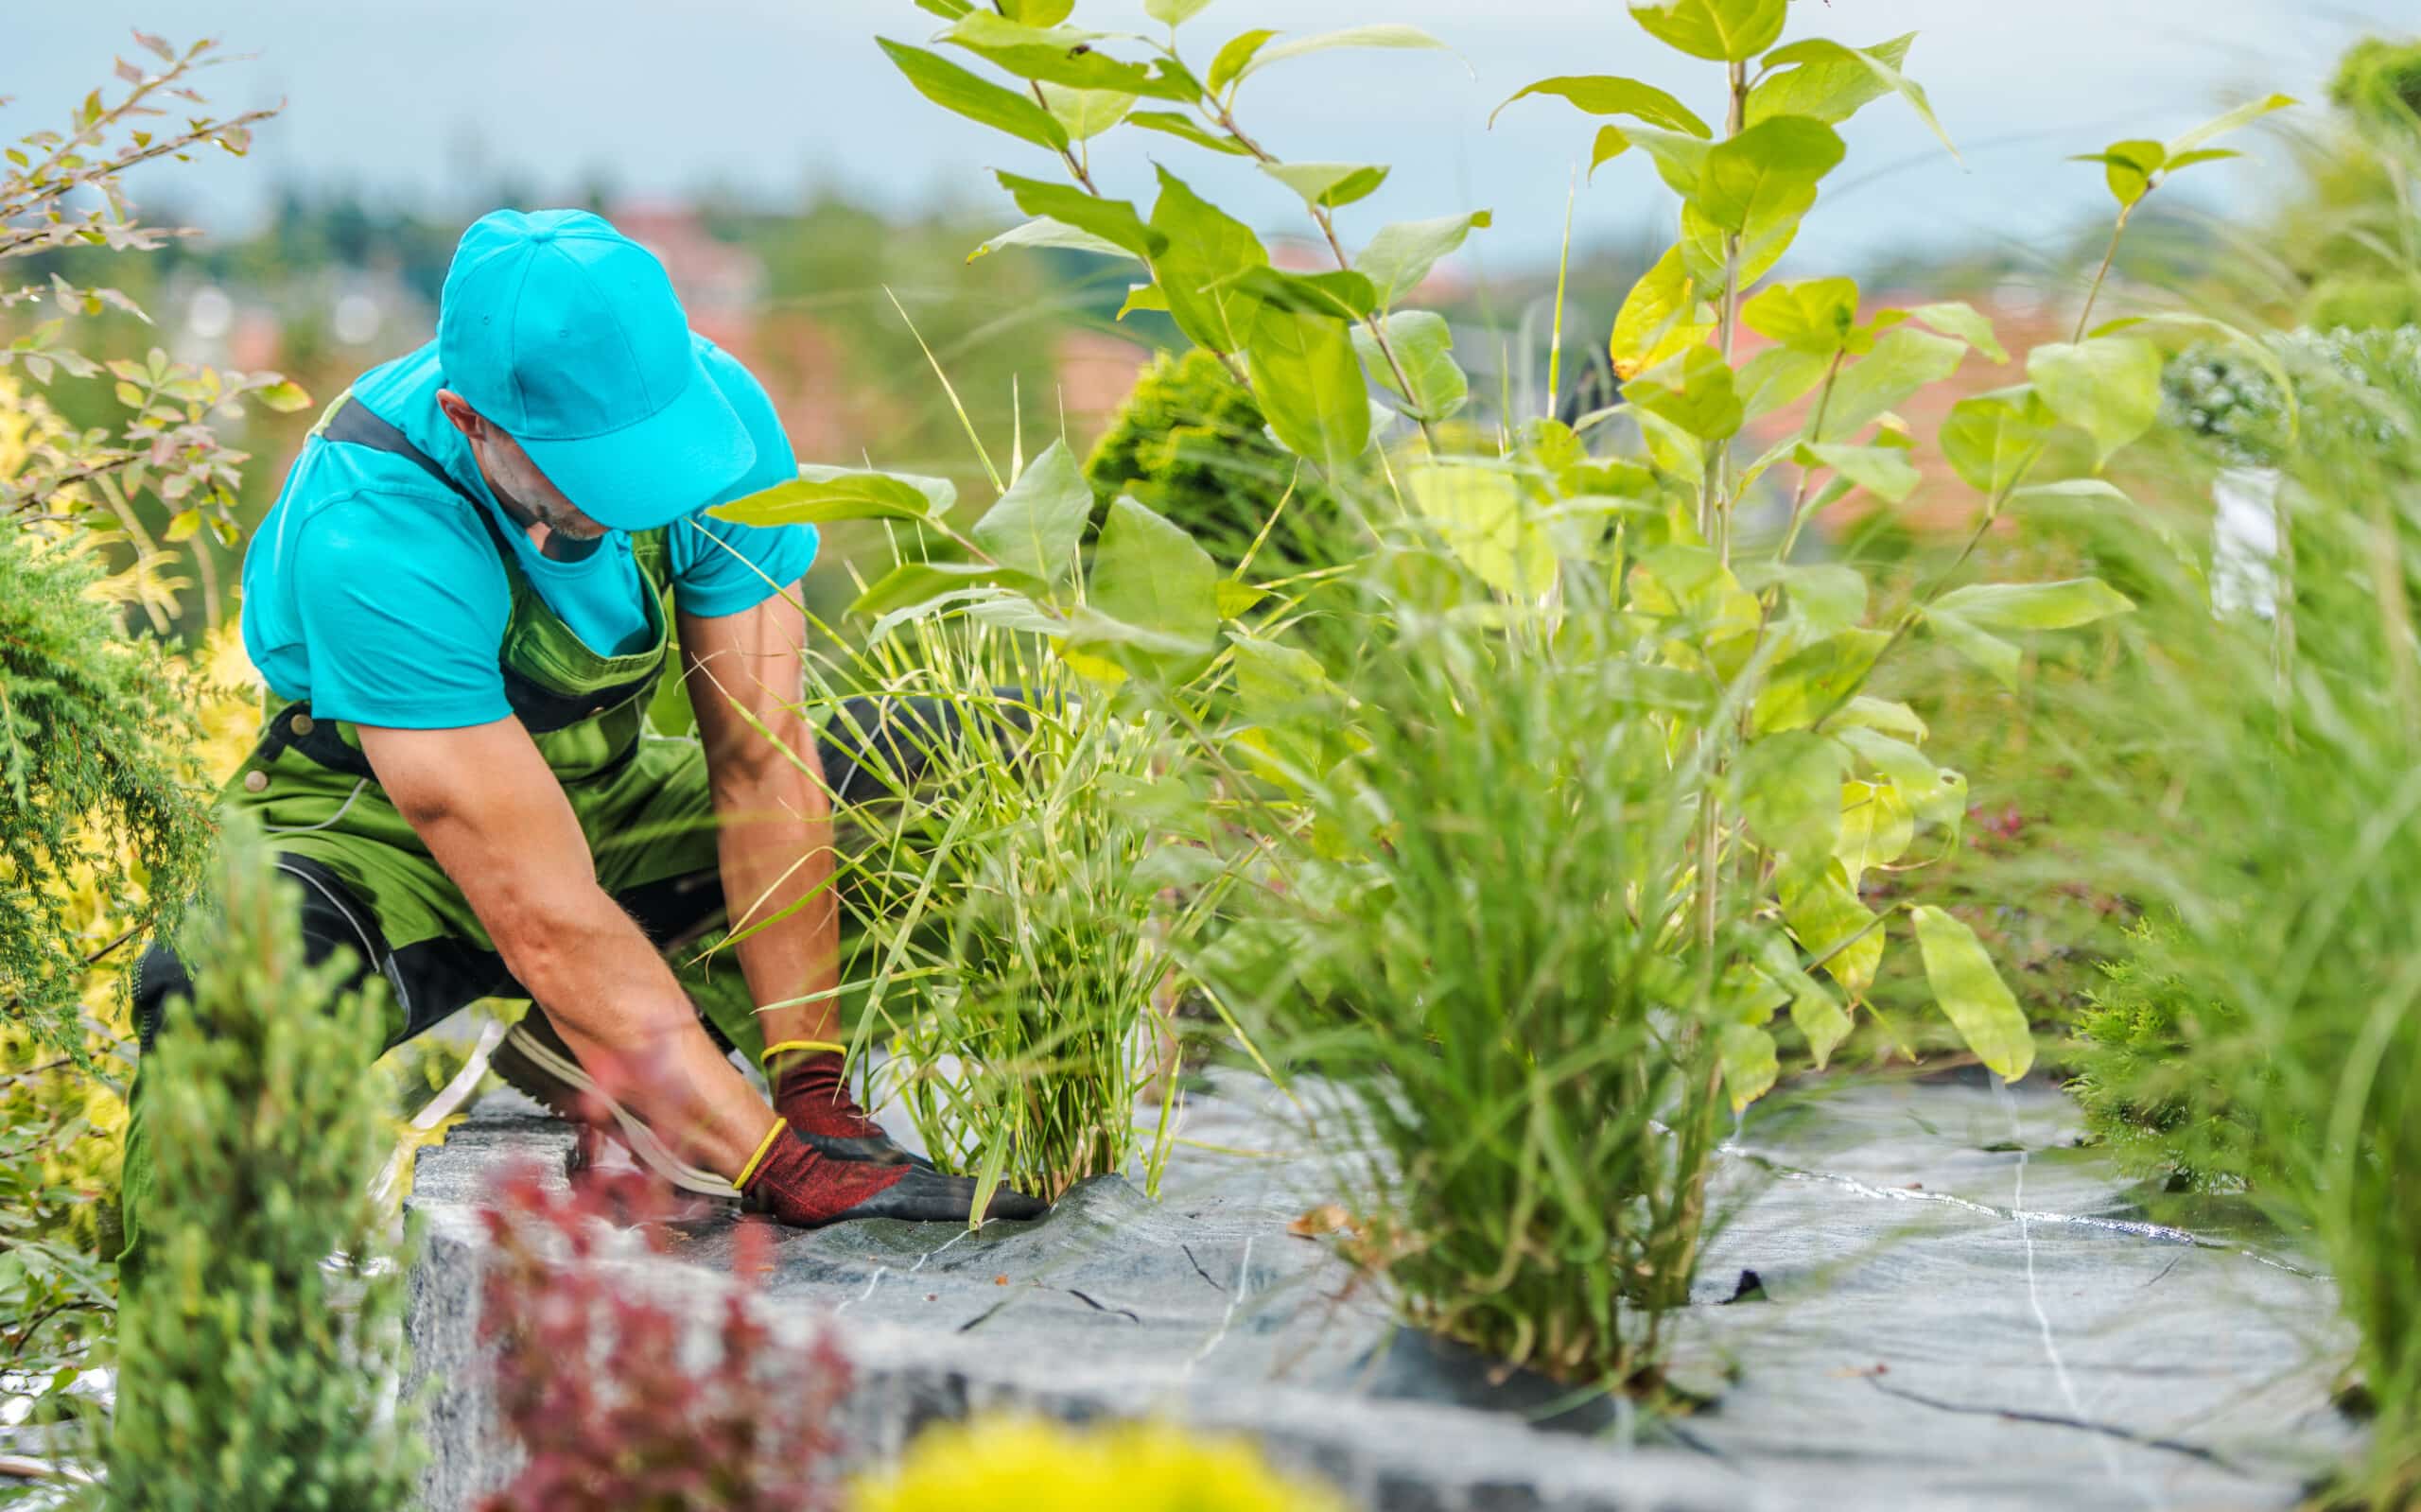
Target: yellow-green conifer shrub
<point x="255" y="1351"/>
<point x="1009" y="1465"/>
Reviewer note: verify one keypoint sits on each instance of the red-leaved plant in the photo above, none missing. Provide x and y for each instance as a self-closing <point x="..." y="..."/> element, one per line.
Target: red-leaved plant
<point x="593" y="1381"/>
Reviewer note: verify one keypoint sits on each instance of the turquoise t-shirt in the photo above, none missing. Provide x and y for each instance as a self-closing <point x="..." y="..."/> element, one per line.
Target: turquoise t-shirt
<point x="378" y="596"/>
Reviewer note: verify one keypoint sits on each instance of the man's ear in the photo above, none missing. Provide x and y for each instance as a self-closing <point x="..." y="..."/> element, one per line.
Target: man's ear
<point x="457" y="410"/>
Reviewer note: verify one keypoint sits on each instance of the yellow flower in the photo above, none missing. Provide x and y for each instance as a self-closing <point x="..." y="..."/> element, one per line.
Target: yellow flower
<point x="1013" y="1464"/>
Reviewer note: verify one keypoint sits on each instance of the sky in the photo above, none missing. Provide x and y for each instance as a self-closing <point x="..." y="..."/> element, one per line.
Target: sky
<point x="434" y="100"/>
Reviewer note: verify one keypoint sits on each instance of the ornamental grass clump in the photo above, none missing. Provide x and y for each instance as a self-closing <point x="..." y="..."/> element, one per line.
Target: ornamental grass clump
<point x="259" y="1353"/>
<point x="1493" y="914"/>
<point x="2272" y="759"/>
<point x="1013" y="907"/>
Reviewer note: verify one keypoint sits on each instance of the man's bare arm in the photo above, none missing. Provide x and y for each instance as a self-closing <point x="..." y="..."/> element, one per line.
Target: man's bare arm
<point x="488" y="807"/>
<point x="774" y="811"/>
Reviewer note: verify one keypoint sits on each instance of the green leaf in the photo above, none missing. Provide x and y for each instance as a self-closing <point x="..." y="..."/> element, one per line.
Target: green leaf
<point x="2128" y="167"/>
<point x="1882" y="470"/>
<point x="1830" y="86"/>
<point x="1824" y="913"/>
<point x="1750" y="1064"/>
<point x="1902" y="362"/>
<point x="1820" y="1020"/>
<point x="1173" y="124"/>
<point x="1386" y="34"/>
<point x="1329" y="186"/>
<point x="1658" y="319"/>
<point x="1038" y="13"/>
<point x="1790" y="794"/>
<point x="1814" y="678"/>
<point x="1932" y="794"/>
<point x="2187" y="159"/>
<point x="1825" y="90"/>
<point x="1877" y="827"/>
<point x="1719" y="30"/>
<point x="1310" y="386"/>
<point x="2244" y="114"/>
<point x="1959" y="319"/>
<point x="2107" y="387"/>
<point x="1767" y="235"/>
<point x="1342" y="293"/>
<point x="1762" y="172"/>
<point x="1777" y="376"/>
<point x="1990" y="438"/>
<point x="1815" y="315"/>
<point x="1061" y="55"/>
<point x="2018" y="606"/>
<point x="1044" y="231"/>
<point x="1423" y="344"/>
<point x="1112" y="220"/>
<point x="1173" y="12"/>
<point x="821" y="496"/>
<point x="1235" y="56"/>
<point x="1085" y="113"/>
<point x="1972" y="994"/>
<point x="1399" y="256"/>
<point x="1035" y="525"/>
<point x="953" y="88"/>
<point x="1986" y="649"/>
<point x="1605" y="94"/>
<point x="1486" y="523"/>
<point x="1143" y="297"/>
<point x="1826" y="597"/>
<point x="2073" y="490"/>
<point x="1206" y="248"/>
<point x="1692" y="390"/>
<point x="1680" y="159"/>
<point x="1881" y="715"/>
<point x="919" y="582"/>
<point x="1149" y="573"/>
<point x="284" y="396"/>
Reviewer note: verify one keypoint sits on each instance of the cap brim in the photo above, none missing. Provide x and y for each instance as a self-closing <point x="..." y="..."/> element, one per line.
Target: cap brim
<point x="683" y="456"/>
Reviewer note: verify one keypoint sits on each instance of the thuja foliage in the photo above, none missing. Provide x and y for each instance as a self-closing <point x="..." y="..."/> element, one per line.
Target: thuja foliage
<point x="259" y="1353"/>
<point x="599" y="1383"/>
<point x="90" y="725"/>
<point x="1190" y="445"/>
<point x="1006" y="1464"/>
<point x="1750" y="665"/>
<point x="2148" y="1096"/>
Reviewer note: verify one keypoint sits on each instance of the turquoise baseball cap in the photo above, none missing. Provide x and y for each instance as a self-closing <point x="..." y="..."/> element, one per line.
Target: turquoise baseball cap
<point x="567" y="334"/>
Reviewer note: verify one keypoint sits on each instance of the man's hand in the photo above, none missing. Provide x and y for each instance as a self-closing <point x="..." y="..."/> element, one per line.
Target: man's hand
<point x="485" y="803"/>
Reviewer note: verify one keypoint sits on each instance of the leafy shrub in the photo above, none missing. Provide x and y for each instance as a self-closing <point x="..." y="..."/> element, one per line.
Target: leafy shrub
<point x="2380" y="82"/>
<point x="1618" y="565"/>
<point x="258" y="1356"/>
<point x="1006" y="1464"/>
<point x="598" y="1384"/>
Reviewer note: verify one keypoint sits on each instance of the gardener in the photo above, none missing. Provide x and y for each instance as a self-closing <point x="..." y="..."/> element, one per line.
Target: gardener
<point x="457" y="604"/>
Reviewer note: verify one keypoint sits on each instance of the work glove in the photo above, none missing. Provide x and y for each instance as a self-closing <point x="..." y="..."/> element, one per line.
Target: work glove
<point x="789" y="1180"/>
<point x="811" y="1082"/>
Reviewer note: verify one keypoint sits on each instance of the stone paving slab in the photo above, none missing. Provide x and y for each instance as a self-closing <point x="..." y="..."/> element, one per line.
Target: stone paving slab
<point x="1958" y="1310"/>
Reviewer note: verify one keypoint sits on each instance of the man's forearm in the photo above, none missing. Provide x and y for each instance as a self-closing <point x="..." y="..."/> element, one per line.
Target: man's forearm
<point x="775" y="848"/>
<point x="618" y="1006"/>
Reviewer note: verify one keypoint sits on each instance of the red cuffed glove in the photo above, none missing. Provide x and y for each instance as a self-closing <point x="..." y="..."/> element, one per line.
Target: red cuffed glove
<point x="810" y="1079"/>
<point x="789" y="1179"/>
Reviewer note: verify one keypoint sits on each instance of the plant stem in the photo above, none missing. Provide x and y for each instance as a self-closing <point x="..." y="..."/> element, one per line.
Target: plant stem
<point x="1321" y="216"/>
<point x="2093" y="290"/>
<point x="1715" y="522"/>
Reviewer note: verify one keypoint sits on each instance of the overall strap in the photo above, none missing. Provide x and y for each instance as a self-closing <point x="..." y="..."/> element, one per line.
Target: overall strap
<point x="353" y="423"/>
